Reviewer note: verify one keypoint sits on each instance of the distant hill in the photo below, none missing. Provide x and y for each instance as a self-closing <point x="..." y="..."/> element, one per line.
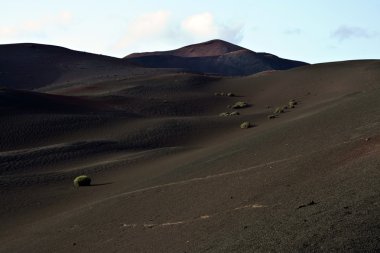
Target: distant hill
<point x="32" y="66"/>
<point x="214" y="57"/>
<point x="209" y="48"/>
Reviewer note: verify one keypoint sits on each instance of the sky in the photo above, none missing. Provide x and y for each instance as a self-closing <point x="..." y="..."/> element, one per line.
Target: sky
<point x="309" y="30"/>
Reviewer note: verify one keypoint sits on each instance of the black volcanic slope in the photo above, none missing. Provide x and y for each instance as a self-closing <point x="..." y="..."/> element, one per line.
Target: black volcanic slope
<point x="32" y="66"/>
<point x="214" y="57"/>
<point x="171" y="175"/>
<point x="21" y="102"/>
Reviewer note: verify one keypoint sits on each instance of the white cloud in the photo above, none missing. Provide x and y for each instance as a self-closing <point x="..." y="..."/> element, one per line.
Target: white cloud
<point x="348" y="32"/>
<point x="203" y="26"/>
<point x="145" y="27"/>
<point x="200" y="25"/>
<point x="65" y="17"/>
<point x="232" y="34"/>
<point x="35" y="26"/>
<point x="160" y="31"/>
<point x="294" y="31"/>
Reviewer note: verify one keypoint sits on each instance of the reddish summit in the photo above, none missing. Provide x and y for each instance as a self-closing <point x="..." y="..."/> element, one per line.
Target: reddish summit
<point x="208" y="48"/>
<point x="215" y="57"/>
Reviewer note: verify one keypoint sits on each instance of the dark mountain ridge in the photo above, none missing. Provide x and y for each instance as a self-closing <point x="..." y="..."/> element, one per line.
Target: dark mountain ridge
<point x="214" y="57"/>
<point x="32" y="66"/>
<point x="35" y="66"/>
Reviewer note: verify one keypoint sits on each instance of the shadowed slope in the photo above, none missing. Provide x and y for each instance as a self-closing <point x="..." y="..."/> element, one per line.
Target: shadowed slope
<point x="31" y="66"/>
<point x="28" y="102"/>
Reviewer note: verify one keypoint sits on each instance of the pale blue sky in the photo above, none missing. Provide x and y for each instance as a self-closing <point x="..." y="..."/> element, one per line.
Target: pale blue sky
<point x="313" y="31"/>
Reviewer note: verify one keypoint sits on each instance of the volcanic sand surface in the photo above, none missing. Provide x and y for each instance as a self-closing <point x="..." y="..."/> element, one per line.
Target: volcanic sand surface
<point x="175" y="181"/>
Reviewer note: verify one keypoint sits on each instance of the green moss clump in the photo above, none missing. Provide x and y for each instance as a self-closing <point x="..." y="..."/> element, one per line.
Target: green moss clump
<point x="224" y="94"/>
<point x="82" y="180"/>
<point x="240" y="104"/>
<point x="278" y="110"/>
<point x="224" y="114"/>
<point x="246" y="125"/>
<point x="292" y="103"/>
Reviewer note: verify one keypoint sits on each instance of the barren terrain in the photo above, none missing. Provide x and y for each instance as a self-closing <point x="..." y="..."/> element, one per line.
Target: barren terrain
<point x="171" y="175"/>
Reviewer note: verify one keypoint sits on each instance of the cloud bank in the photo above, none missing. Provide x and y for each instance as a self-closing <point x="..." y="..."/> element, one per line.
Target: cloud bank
<point x="294" y="31"/>
<point x="203" y="26"/>
<point x="348" y="32"/>
<point x="35" y="27"/>
<point x="159" y="27"/>
<point x="147" y="26"/>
